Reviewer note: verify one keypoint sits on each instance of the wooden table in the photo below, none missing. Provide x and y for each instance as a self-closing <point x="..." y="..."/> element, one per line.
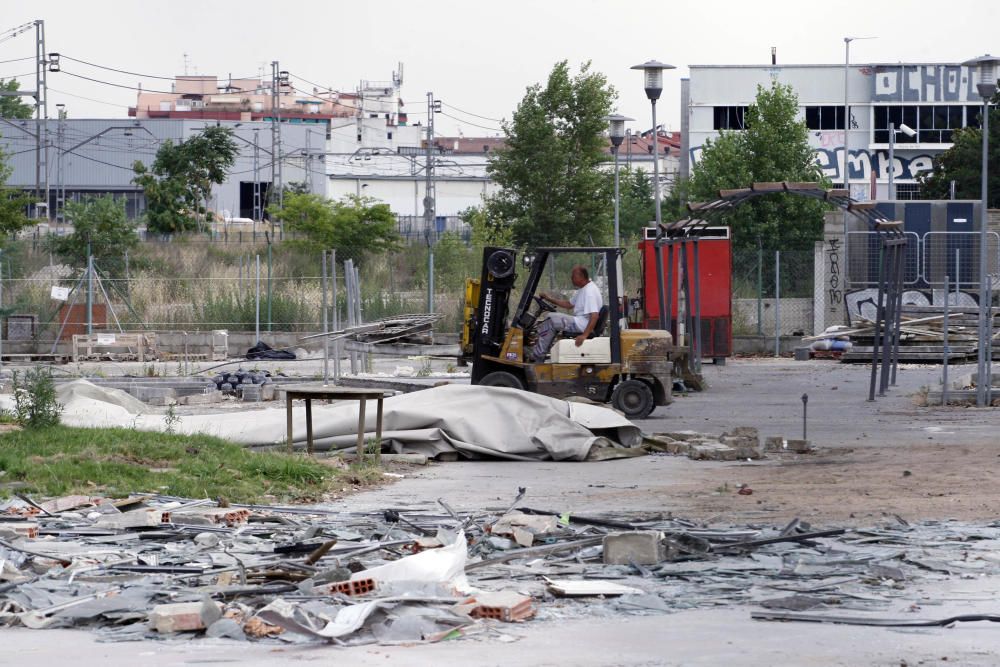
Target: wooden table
<point x="310" y="392"/>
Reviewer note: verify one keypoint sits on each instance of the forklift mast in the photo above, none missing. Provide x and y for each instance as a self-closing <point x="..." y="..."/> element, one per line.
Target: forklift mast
<point x="495" y="286"/>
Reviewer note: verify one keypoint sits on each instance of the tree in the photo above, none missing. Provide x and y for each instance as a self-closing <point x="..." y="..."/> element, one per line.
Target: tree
<point x="353" y="226"/>
<point x="100" y="225"/>
<point x="636" y="208"/>
<point x="552" y="188"/>
<point x="13" y="202"/>
<point x="963" y="163"/>
<point x="12" y="106"/>
<point x="773" y="147"/>
<point x="179" y="182"/>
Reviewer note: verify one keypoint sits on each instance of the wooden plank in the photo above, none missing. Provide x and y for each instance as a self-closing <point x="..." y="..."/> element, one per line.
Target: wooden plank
<point x="802" y="185"/>
<point x="837" y="193"/>
<point x="736" y="192"/>
<point x="768" y="187"/>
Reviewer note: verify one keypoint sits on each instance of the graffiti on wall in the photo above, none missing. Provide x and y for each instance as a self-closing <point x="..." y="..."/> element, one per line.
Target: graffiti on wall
<point x="921" y="83"/>
<point x="864" y="162"/>
<point x="830" y="158"/>
<point x="862" y="303"/>
<point x="835" y="295"/>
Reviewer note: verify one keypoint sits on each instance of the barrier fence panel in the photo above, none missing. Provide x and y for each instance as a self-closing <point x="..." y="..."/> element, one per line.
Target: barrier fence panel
<point x="862" y="259"/>
<point x="956" y="254"/>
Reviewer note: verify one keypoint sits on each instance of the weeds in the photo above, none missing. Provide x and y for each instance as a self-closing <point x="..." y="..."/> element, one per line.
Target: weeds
<point x="171" y="419"/>
<point x="35" y="402"/>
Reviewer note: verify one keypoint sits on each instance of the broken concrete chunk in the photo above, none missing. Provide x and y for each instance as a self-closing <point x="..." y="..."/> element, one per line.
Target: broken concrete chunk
<point x="800" y="446"/>
<point x="642" y="547"/>
<point x="774" y="443"/>
<point x="141" y="518"/>
<point x="184" y="616"/>
<point x="575" y="588"/>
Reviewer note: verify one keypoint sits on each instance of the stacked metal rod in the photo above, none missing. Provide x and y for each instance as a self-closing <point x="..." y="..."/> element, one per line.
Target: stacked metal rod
<point x="683" y="235"/>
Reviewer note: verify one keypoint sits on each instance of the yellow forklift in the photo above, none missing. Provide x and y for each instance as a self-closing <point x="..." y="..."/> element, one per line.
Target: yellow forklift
<point x="630" y="368"/>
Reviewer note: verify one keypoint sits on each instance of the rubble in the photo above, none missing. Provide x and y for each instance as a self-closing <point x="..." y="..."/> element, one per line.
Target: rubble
<point x="153" y="566"/>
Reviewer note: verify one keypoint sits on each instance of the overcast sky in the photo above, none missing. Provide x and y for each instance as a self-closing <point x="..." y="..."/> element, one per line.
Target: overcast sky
<point x="476" y="56"/>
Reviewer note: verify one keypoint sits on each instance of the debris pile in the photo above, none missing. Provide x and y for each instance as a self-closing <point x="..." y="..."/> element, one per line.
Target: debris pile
<point x="156" y="566"/>
<point x="743" y="442"/>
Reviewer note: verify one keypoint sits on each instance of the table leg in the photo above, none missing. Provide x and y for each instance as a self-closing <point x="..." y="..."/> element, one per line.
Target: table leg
<point x="378" y="432"/>
<point x="361" y="430"/>
<point x="309" y="426"/>
<point x="288" y="420"/>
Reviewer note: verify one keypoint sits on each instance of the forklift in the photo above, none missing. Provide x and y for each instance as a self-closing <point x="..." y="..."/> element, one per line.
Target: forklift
<point x="629" y="368"/>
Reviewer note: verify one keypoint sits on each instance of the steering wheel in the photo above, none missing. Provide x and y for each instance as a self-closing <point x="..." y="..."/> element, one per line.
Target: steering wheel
<point x="544" y="305"/>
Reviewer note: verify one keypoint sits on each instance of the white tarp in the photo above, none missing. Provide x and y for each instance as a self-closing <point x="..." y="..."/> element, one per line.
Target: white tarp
<point x="472" y="420"/>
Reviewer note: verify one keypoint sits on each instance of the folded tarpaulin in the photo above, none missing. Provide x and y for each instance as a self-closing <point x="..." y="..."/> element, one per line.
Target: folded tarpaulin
<point x="471" y="420"/>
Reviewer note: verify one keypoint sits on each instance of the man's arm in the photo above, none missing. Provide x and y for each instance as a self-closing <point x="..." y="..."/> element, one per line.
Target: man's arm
<point x="562" y="303"/>
<point x="588" y="329"/>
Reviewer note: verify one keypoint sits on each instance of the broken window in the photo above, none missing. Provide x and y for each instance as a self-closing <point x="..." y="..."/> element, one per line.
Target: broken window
<point x="730" y="118"/>
<point x="825" y="118"/>
<point x="934" y="124"/>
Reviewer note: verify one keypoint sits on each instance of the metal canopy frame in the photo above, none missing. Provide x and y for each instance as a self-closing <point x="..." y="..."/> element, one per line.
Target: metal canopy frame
<point x="686" y="232"/>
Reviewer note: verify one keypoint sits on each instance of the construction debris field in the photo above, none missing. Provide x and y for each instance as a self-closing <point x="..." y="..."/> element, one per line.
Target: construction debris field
<point x="891" y="466"/>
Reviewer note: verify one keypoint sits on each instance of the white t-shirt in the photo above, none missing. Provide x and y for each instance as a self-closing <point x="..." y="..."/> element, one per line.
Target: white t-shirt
<point x="587" y="300"/>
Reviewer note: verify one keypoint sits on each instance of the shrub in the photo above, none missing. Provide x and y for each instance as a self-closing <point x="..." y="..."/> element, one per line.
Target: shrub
<point x="35" y="404"/>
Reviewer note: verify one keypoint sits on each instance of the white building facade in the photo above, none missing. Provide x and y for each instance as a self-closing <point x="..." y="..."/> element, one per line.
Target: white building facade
<point x="934" y="99"/>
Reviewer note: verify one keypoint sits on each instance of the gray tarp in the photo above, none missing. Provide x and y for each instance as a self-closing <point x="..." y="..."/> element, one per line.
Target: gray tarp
<point x="472" y="420"/>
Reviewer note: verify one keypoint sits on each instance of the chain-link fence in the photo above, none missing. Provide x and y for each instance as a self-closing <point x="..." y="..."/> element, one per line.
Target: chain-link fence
<point x="772" y="291"/>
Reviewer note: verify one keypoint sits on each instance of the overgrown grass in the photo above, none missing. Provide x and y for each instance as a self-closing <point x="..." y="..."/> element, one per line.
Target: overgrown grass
<point x="116" y="462"/>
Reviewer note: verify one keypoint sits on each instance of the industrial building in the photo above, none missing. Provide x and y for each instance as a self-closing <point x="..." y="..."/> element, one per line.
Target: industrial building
<point x="931" y="99"/>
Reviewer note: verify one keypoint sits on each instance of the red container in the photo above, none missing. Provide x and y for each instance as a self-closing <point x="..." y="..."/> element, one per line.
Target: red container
<point x="715" y="269"/>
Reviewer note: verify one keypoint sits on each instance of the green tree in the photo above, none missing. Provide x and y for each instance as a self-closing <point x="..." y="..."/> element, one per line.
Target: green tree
<point x="179" y="182"/>
<point x="636" y="208"/>
<point x="552" y="188"/>
<point x="773" y="147"/>
<point x="963" y="163"/>
<point x="11" y="106"/>
<point x="13" y="203"/>
<point x="101" y="223"/>
<point x="353" y="226"/>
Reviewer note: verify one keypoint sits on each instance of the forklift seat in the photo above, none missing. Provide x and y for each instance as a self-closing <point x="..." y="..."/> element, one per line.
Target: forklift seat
<point x="602" y="322"/>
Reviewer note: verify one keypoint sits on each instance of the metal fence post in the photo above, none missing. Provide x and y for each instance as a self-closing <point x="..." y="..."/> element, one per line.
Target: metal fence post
<point x="944" y="345"/>
<point x="777" y="303"/>
<point x="760" y="288"/>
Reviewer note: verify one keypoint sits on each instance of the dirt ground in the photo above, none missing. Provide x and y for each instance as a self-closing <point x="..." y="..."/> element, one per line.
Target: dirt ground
<point x="871" y="459"/>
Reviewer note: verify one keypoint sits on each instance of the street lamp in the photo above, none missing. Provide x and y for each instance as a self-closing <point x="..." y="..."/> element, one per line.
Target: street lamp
<point x="616" y="130"/>
<point x="908" y="131"/>
<point x="653" y="85"/>
<point x="986" y="88"/>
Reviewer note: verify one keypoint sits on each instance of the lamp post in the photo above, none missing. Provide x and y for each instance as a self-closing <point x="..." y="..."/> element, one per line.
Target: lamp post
<point x="653" y="84"/>
<point x="986" y="88"/>
<point x="908" y="131"/>
<point x="616" y="130"/>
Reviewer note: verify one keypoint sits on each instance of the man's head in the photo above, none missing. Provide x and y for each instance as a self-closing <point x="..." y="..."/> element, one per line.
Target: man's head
<point x="579" y="276"/>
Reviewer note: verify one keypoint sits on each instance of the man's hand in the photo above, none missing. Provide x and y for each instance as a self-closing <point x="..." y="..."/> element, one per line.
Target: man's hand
<point x="579" y="339"/>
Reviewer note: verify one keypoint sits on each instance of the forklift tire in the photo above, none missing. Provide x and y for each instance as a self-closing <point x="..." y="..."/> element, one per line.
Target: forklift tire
<point x="501" y="379"/>
<point x="634" y="398"/>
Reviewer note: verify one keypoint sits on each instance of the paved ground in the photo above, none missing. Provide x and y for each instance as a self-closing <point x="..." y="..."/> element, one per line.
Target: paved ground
<point x="890" y="456"/>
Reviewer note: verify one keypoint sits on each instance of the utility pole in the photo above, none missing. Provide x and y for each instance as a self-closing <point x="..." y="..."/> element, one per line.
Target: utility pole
<point x="256" y="180"/>
<point x="41" y="116"/>
<point x="430" y="231"/>
<point x="278" y="79"/>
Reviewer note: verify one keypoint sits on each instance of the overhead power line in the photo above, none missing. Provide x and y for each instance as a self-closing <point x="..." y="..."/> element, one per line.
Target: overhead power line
<point x="469" y="113"/>
<point x="147" y="76"/>
<point x="462" y="120"/>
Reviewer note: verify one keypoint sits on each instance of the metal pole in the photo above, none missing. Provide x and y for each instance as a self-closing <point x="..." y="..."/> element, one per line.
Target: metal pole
<point x="847" y="120"/>
<point x="897" y="325"/>
<point x="430" y="279"/>
<point x="335" y="315"/>
<point x="267" y="235"/>
<point x="889" y="319"/>
<point x="696" y="274"/>
<point x="944" y="345"/>
<point x="326" y="329"/>
<point x="429" y="202"/>
<point x="90" y="292"/>
<point x="1" y="306"/>
<point x="805" y="412"/>
<point x="984" y="309"/>
<point x="257" y="302"/>
<point x="878" y="318"/>
<point x="777" y="303"/>
<point x="958" y="272"/>
<point x="989" y="339"/>
<point x="892" y="161"/>
<point x="760" y="288"/>
<point x="669" y="300"/>
<point x="614" y="149"/>
<point x="665" y="315"/>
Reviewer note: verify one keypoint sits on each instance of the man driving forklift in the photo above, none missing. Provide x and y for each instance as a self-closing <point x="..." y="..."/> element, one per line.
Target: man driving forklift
<point x="586" y="305"/>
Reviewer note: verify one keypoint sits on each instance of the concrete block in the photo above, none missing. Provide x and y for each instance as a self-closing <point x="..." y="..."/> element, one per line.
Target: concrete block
<point x="507" y="606"/>
<point x="162" y="401"/>
<point x="714" y="451"/>
<point x="799" y="446"/>
<point x="213" y="396"/>
<point x="774" y="443"/>
<point x="184" y="616"/>
<point x="643" y="547"/>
